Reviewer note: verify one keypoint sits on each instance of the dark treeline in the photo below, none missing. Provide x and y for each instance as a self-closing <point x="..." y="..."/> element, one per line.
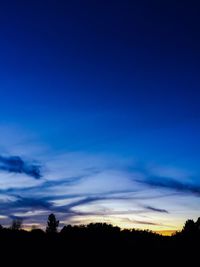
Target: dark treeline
<point x="99" y="242"/>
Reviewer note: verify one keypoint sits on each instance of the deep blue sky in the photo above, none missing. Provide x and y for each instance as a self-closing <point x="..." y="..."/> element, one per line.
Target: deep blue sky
<point x="104" y="77"/>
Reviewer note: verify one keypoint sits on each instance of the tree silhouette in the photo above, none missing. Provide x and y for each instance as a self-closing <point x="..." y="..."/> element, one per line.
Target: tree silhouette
<point x="52" y="224"/>
<point x="189" y="227"/>
<point x="198" y="224"/>
<point x="16" y="224"/>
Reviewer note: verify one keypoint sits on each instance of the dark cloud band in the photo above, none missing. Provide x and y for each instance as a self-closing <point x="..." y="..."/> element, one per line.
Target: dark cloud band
<point x="156" y="209"/>
<point x="171" y="184"/>
<point x="16" y="164"/>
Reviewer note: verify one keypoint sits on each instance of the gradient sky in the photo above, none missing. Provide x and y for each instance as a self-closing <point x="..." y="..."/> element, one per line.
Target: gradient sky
<point x="99" y="112"/>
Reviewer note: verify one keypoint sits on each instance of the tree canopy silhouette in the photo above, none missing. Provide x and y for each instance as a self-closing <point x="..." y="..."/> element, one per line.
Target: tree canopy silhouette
<point x="52" y="224"/>
<point x="99" y="239"/>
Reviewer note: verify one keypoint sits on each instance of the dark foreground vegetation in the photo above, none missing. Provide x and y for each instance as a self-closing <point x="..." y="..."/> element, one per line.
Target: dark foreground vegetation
<point x="97" y="244"/>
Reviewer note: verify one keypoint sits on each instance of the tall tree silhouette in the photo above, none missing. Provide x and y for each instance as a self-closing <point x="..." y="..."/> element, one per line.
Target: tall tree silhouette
<point x="52" y="224"/>
<point x="16" y="224"/>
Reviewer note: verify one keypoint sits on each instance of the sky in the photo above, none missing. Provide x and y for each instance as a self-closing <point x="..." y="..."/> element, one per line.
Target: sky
<point x="99" y="112"/>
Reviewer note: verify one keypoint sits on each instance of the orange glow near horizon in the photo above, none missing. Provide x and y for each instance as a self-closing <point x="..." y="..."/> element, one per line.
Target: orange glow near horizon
<point x="166" y="232"/>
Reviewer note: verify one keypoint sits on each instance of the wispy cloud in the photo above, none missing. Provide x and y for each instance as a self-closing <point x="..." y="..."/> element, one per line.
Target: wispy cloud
<point x="146" y="223"/>
<point x="85" y="186"/>
<point x="16" y="164"/>
<point x="171" y="184"/>
<point x="156" y="209"/>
